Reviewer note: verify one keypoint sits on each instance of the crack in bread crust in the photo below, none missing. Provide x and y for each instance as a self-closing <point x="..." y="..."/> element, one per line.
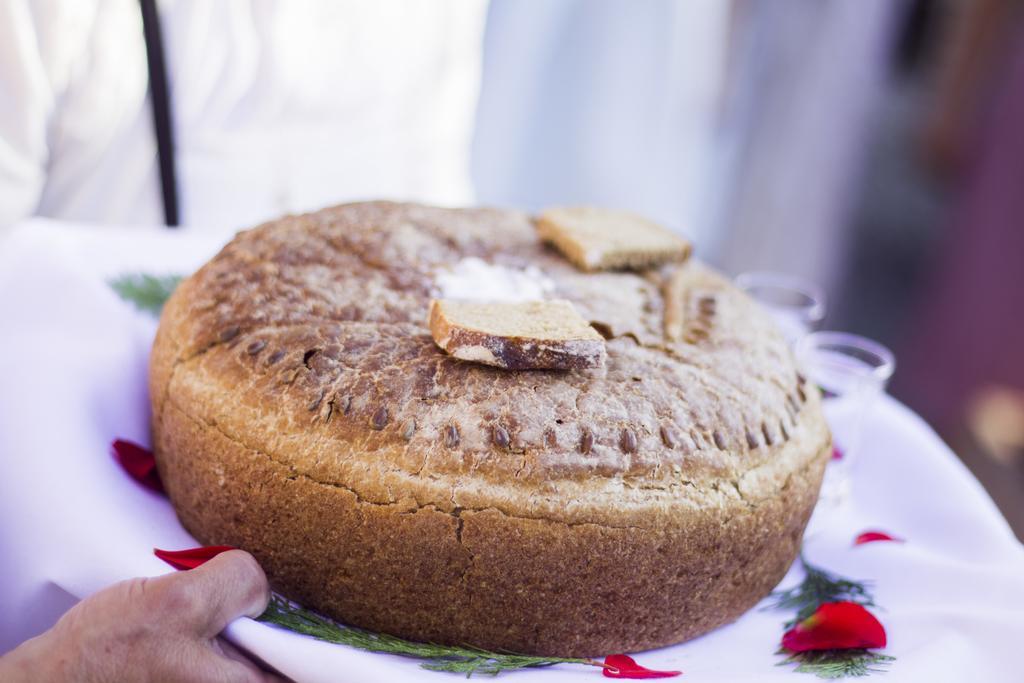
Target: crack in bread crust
<point x="302" y="411"/>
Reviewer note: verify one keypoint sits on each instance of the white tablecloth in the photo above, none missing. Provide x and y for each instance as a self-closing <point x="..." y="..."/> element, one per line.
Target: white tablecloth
<point x="72" y="378"/>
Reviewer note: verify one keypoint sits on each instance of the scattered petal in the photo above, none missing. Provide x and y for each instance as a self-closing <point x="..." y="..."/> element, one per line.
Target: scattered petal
<point x="837" y="453"/>
<point x="138" y="462"/>
<point x="872" y="536"/>
<point x="624" y="666"/>
<point x="836" y="626"/>
<point x="190" y="558"/>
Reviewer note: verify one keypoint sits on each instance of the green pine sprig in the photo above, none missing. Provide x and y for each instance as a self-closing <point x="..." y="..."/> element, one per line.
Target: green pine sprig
<point x="837" y="663"/>
<point x="454" y="659"/>
<point x="147" y="292"/>
<point x="818" y="587"/>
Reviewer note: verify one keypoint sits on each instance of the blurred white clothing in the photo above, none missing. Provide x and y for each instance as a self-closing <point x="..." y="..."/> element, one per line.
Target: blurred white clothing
<point x="606" y="102"/>
<point x="805" y="81"/>
<point x="279" y="106"/>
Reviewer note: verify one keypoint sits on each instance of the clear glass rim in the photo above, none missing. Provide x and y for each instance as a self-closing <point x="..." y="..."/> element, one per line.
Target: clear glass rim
<point x="885" y="363"/>
<point x="812" y="292"/>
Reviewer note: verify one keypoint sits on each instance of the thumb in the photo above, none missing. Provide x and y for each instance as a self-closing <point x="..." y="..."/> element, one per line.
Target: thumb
<point x="224" y="588"/>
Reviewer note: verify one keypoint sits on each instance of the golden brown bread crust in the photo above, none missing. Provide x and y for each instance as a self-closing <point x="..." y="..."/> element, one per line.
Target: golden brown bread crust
<point x="302" y="411"/>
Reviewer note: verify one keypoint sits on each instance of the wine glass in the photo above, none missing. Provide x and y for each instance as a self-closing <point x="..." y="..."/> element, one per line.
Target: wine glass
<point x="852" y="372"/>
<point x="797" y="305"/>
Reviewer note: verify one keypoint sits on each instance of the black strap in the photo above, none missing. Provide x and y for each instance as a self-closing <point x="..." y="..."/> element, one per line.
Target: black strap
<point x="160" y="97"/>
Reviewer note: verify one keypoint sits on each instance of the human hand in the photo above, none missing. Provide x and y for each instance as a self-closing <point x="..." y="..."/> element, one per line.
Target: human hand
<point x="163" y="628"/>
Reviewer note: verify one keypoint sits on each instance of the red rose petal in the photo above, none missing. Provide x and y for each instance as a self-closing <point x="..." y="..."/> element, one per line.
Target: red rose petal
<point x="872" y="536"/>
<point x="836" y="626"/>
<point x="138" y="462"/>
<point x="624" y="666"/>
<point x="190" y="558"/>
<point x="837" y="453"/>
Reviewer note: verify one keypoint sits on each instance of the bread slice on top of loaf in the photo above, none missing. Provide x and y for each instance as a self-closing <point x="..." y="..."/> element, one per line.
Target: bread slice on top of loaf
<point x="527" y="335"/>
<point x="602" y="239"/>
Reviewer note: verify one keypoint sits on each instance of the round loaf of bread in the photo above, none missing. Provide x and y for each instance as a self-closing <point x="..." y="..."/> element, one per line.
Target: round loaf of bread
<point x="302" y="411"/>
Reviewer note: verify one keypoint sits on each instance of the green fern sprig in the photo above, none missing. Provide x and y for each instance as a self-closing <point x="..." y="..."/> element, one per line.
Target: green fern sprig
<point x="837" y="663"/>
<point x="818" y="587"/>
<point x="454" y="659"/>
<point x="147" y="292"/>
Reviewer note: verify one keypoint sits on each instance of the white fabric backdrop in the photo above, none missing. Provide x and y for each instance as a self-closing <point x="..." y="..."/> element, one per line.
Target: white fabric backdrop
<point x="279" y="106"/>
<point x="72" y="378"/>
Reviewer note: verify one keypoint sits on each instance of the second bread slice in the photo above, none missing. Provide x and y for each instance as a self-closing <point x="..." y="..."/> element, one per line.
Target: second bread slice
<point x="593" y="238"/>
<point x="528" y="335"/>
